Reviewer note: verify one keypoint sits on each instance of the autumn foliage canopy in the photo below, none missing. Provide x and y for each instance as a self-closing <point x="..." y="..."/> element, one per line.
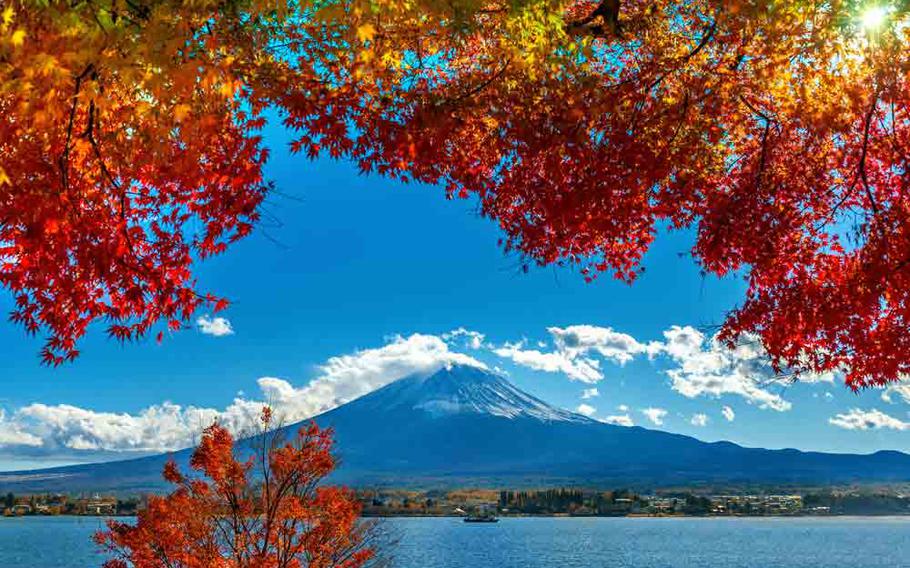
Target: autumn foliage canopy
<point x="778" y="130"/>
<point x="268" y="511"/>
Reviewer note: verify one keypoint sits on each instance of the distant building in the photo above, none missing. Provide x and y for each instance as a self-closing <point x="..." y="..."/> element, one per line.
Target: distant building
<point x="96" y="506"/>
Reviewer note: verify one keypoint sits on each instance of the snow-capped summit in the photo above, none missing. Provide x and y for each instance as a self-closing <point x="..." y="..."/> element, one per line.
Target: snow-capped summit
<point x="463" y="389"/>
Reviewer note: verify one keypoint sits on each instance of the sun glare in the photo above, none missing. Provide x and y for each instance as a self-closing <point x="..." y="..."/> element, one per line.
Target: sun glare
<point x="874" y="17"/>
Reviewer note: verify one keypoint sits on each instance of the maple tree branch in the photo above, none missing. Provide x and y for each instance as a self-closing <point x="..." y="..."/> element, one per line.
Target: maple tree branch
<point x="864" y="176"/>
<point x="63" y="161"/>
<point x="755" y="110"/>
<point x="487" y="11"/>
<point x="161" y="555"/>
<point x="142" y="12"/>
<point x="888" y="124"/>
<point x="705" y="39"/>
<point x="863" y="173"/>
<point x="486" y="83"/>
<point x="608" y="11"/>
<point x="90" y="135"/>
<point x="764" y="156"/>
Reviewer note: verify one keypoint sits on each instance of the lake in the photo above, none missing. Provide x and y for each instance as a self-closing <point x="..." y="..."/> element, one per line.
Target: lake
<point x="848" y="542"/>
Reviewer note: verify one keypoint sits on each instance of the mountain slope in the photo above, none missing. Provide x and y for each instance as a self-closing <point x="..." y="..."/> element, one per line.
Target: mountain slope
<point x="465" y="426"/>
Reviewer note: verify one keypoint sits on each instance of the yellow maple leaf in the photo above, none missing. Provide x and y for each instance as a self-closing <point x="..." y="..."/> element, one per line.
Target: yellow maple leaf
<point x="18" y="37"/>
<point x="227" y="89"/>
<point x="365" y="32"/>
<point x="181" y="111"/>
<point x="367" y="55"/>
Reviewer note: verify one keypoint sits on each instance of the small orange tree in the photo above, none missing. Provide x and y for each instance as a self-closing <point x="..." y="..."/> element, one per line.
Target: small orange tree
<point x="268" y="511"/>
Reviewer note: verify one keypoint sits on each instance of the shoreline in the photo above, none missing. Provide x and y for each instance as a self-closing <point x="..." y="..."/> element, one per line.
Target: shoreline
<point x="712" y="517"/>
<point x="555" y="516"/>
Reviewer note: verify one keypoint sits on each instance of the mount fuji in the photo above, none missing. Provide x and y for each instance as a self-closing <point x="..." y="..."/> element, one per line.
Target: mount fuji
<point x="464" y="426"/>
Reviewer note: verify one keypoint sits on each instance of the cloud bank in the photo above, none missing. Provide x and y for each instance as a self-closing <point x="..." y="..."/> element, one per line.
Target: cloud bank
<point x="707" y="367"/>
<point x="694" y="364"/>
<point x="873" y="419"/>
<point x="574" y="350"/>
<point x="44" y="429"/>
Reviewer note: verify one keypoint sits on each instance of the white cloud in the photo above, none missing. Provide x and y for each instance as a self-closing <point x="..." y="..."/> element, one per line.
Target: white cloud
<point x="874" y="419"/>
<point x="655" y="415"/>
<point x="619" y="420"/>
<point x="578" y="340"/>
<point x="699" y="365"/>
<point x="622" y="408"/>
<point x="11" y="434"/>
<point x="168" y="426"/>
<point x="586" y="409"/>
<point x="728" y="413"/>
<point x="157" y="428"/>
<point x="589" y="393"/>
<point x="709" y="368"/>
<point x="472" y="339"/>
<point x="218" y="327"/>
<point x="901" y="389"/>
<point x="347" y="377"/>
<point x="575" y="348"/>
<point x="581" y="369"/>
<point x="700" y="420"/>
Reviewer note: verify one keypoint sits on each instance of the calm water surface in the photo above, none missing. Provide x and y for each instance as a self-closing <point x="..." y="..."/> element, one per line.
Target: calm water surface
<point x="62" y="542"/>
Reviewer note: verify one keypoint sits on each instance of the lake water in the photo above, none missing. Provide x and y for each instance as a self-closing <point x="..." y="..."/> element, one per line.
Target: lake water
<point x="63" y="542"/>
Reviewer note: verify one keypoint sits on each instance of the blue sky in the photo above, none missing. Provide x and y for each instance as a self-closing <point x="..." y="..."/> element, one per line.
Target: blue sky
<point x="343" y="264"/>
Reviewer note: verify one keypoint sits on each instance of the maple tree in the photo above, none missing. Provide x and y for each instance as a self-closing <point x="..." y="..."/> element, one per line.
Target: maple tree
<point x="777" y="130"/>
<point x="268" y="511"/>
<point x="124" y="152"/>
